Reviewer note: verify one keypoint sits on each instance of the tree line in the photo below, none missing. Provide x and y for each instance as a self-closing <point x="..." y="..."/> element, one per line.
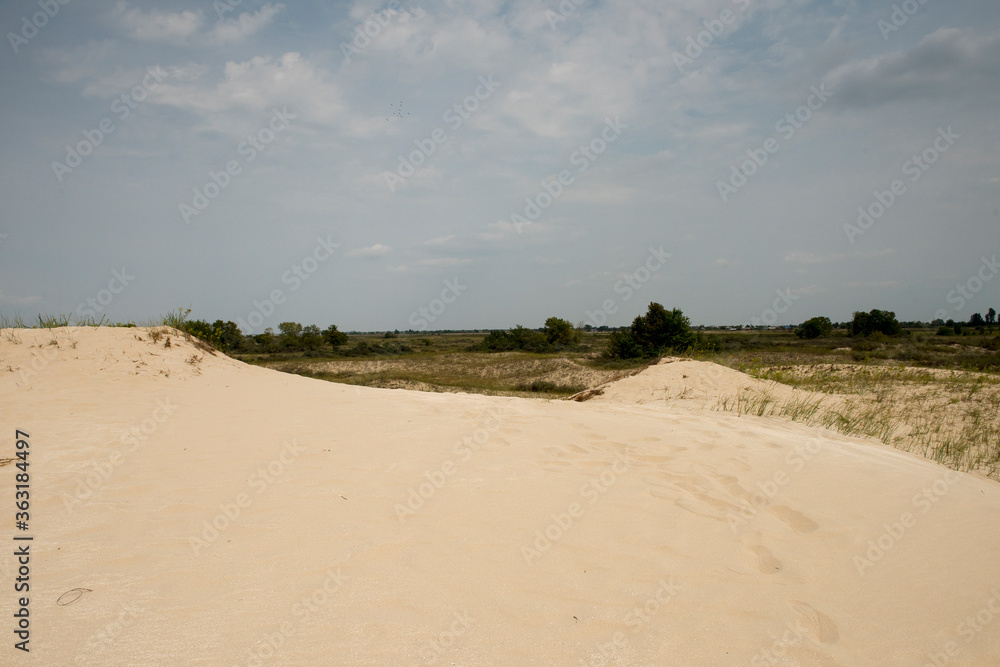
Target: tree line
<point x="658" y="332"/>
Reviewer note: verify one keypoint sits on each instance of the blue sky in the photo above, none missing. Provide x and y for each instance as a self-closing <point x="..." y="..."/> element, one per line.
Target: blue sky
<point x="496" y="163"/>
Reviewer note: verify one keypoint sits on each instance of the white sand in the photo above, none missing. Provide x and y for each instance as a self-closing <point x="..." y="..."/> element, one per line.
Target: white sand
<point x="661" y="558"/>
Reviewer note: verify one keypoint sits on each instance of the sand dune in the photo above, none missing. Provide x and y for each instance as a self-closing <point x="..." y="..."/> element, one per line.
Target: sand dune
<point x="189" y="509"/>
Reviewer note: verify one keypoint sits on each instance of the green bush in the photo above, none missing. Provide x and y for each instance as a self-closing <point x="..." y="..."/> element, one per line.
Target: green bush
<point x="875" y="321"/>
<point x="562" y="333"/>
<point x="814" y="328"/>
<point x="517" y="338"/>
<point x="334" y="337"/>
<point x="658" y="332"/>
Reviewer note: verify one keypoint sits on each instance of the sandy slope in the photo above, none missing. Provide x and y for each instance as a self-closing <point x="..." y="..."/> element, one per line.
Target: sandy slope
<point x="386" y="527"/>
<point x="676" y="382"/>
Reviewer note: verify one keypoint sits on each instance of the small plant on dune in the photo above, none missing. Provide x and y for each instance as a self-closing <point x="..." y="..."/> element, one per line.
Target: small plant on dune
<point x="176" y="319"/>
<point x="52" y="321"/>
<point x="92" y="321"/>
<point x="8" y="323"/>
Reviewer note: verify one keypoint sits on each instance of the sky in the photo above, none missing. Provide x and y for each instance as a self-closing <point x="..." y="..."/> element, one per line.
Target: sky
<point x="436" y="164"/>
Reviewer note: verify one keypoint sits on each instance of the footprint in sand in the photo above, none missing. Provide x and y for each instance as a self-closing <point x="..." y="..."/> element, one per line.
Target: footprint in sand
<point x="766" y="562"/>
<point x="797" y="521"/>
<point x="562" y="451"/>
<point x="819" y="625"/>
<point x="655" y="460"/>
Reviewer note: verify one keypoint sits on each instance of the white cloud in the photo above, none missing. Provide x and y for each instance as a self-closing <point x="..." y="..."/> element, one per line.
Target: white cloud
<point x="806" y="257"/>
<point x="233" y="30"/>
<point x="18" y="301"/>
<point x="157" y="26"/>
<point x="258" y="85"/>
<point x="444" y="261"/>
<point x="377" y="250"/>
<point x="944" y="62"/>
<point x="185" y="26"/>
<point x="440" y="240"/>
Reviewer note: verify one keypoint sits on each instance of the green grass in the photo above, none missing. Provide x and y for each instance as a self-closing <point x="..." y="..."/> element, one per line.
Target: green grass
<point x="948" y="416"/>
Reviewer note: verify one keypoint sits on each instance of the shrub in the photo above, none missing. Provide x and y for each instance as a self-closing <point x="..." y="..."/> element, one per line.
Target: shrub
<point x="814" y="328"/>
<point x="334" y="337"/>
<point x="560" y="332"/>
<point x="658" y="332"/>
<point x="622" y="345"/>
<point x="517" y="338"/>
<point x="875" y="321"/>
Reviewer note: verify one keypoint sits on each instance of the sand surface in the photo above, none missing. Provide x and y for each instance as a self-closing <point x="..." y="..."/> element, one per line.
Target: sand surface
<point x="221" y="514"/>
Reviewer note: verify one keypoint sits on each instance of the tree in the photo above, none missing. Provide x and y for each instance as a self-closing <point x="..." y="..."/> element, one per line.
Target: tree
<point x="875" y="321"/>
<point x="622" y="345"/>
<point x="814" y="328"/>
<point x="654" y="334"/>
<point x="976" y="320"/>
<point x="312" y="337"/>
<point x="267" y="341"/>
<point x="561" y="332"/>
<point x="991" y="316"/>
<point x="333" y="337"/>
<point x="228" y="335"/>
<point x="290" y="333"/>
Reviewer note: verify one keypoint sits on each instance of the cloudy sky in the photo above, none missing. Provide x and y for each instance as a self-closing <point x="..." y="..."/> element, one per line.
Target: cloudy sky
<point x="495" y="163"/>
